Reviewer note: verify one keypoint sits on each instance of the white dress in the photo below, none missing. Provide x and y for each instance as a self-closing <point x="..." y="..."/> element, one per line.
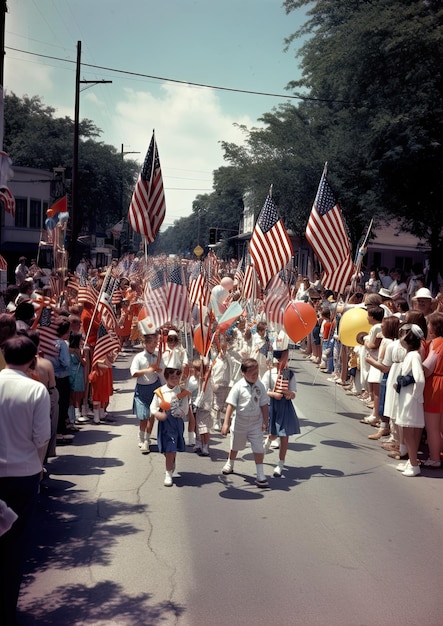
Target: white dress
<point x="394" y="357"/>
<point x="410" y="401"/>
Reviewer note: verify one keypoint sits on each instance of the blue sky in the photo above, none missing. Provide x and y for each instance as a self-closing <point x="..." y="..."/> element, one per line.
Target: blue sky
<point x="233" y="43"/>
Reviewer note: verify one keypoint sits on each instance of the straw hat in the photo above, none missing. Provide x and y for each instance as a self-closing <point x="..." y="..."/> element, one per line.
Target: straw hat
<point x="423" y="292"/>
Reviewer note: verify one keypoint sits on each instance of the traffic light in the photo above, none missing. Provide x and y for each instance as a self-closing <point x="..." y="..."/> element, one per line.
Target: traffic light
<point x="212" y="236"/>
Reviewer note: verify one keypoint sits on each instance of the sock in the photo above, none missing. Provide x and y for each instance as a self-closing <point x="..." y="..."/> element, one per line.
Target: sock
<point x="281" y="463"/>
<point x="141" y="435"/>
<point x="260" y="471"/>
<point x="403" y="449"/>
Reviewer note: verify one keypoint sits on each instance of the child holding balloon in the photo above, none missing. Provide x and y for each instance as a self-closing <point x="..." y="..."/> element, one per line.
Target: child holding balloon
<point x="169" y="406"/>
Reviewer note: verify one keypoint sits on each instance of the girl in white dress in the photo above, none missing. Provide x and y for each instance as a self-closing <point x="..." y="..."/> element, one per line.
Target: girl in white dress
<point x="410" y="386"/>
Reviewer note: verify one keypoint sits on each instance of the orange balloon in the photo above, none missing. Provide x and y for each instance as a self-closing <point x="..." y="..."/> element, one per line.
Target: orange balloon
<point x="299" y="319"/>
<point x="50" y="212"/>
<point x="165" y="406"/>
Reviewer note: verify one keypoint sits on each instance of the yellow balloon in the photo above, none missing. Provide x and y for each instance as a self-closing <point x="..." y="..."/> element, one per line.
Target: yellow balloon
<point x="353" y="322"/>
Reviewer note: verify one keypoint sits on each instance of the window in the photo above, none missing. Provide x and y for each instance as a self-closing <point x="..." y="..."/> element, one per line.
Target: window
<point x="21" y="212"/>
<point x="35" y="214"/>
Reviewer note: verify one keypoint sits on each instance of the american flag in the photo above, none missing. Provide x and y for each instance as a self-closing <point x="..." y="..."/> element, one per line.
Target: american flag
<point x="107" y="346"/>
<point x="86" y="292"/>
<point x="282" y="382"/>
<point x="3" y="263"/>
<point x="105" y="308"/>
<point x="211" y="265"/>
<point x="198" y="291"/>
<point x="276" y="299"/>
<point x="270" y="247"/>
<point x="147" y="209"/>
<point x="46" y="325"/>
<point x="328" y="238"/>
<point x="178" y="305"/>
<point x="250" y="291"/>
<point x="155" y="296"/>
<point x="239" y="275"/>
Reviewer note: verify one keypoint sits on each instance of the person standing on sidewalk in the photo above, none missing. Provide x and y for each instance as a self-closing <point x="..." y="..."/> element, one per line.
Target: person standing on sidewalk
<point x="25" y="429"/>
<point x="147" y="367"/>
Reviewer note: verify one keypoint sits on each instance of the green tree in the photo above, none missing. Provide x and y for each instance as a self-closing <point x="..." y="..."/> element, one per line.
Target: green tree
<point x="35" y="138"/>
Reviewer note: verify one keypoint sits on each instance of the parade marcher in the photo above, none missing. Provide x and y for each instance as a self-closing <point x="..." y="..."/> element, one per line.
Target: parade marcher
<point x="249" y="400"/>
<point x="24" y="434"/>
<point x="147" y="367"/>
<point x="203" y="407"/>
<point x="433" y="395"/>
<point x="220" y="379"/>
<point x="283" y="421"/>
<point x="169" y="406"/>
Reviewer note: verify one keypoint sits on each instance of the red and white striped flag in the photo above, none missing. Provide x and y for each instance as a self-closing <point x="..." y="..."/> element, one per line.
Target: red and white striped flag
<point x="276" y="300"/>
<point x="282" y="382"/>
<point x="147" y="209"/>
<point x="198" y="291"/>
<point x="107" y="346"/>
<point x="3" y="263"/>
<point x="329" y="240"/>
<point x="46" y="323"/>
<point x="155" y="297"/>
<point x="250" y="287"/>
<point x="178" y="305"/>
<point x="270" y="247"/>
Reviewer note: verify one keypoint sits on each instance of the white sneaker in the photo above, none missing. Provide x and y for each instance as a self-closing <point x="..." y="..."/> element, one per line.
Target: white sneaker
<point x="205" y="450"/>
<point x="402" y="467"/>
<point x="168" y="479"/>
<point x="227" y="468"/>
<point x="412" y="470"/>
<point x="278" y="471"/>
<point x="144" y="448"/>
<point x="275" y="444"/>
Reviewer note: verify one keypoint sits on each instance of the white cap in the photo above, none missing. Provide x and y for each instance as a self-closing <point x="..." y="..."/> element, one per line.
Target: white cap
<point x="146" y="327"/>
<point x="423" y="292"/>
<point x="172" y="360"/>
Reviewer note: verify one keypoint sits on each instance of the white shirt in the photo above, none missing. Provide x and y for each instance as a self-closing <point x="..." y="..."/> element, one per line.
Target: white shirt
<point x="142" y="361"/>
<point x="25" y="424"/>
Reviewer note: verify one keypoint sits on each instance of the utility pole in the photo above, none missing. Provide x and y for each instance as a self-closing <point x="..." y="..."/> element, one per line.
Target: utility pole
<point x="75" y="213"/>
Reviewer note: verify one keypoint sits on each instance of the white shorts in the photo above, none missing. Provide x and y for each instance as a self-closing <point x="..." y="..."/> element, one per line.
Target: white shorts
<point x="203" y="421"/>
<point x="247" y="429"/>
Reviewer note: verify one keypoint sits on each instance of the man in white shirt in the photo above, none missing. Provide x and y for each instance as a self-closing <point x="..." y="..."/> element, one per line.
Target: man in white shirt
<point x="25" y="430"/>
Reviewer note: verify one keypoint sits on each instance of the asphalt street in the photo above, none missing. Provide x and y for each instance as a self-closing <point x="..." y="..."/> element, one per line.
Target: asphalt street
<point x="341" y="539"/>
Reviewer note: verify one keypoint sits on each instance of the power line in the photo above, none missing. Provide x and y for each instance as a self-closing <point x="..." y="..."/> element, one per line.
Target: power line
<point x="182" y="82"/>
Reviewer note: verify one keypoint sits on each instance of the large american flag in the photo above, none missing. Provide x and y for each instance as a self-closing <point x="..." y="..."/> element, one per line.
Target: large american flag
<point x="329" y="240"/>
<point x="178" y="304"/>
<point x="147" y="209"/>
<point x="270" y="247"/>
<point x="155" y="297"/>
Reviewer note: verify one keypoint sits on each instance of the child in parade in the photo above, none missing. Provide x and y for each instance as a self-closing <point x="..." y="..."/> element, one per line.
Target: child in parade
<point x="169" y="406"/>
<point x="203" y="404"/>
<point x="221" y="376"/>
<point x="283" y="421"/>
<point x="147" y="367"/>
<point x="249" y="399"/>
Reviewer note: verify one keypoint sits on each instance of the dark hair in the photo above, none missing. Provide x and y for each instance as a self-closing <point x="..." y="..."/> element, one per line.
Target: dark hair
<point x="24" y="311"/>
<point x="377" y="313"/>
<point x="402" y="304"/>
<point x="63" y="325"/>
<point x="74" y="340"/>
<point x="169" y="370"/>
<point x="34" y="336"/>
<point x="411" y="340"/>
<point x="248" y="364"/>
<point x="19" y="350"/>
